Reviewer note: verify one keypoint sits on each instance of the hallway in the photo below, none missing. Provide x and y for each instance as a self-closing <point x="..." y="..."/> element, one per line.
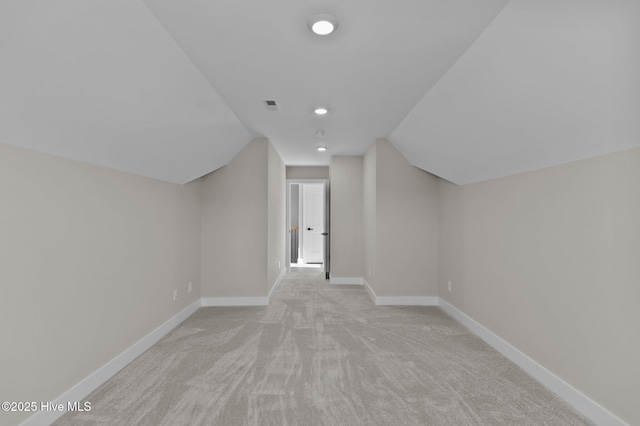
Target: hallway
<point x="322" y="355"/>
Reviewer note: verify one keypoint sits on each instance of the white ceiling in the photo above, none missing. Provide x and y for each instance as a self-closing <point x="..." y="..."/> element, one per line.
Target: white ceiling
<point x="548" y="82"/>
<point x="466" y="89"/>
<point x="380" y="62"/>
<point x="103" y="82"/>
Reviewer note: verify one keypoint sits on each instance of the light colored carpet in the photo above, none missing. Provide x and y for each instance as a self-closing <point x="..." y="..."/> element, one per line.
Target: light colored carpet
<point x="322" y="355"/>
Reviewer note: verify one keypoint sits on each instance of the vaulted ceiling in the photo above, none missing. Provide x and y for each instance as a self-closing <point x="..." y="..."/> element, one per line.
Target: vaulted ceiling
<point x="468" y="90"/>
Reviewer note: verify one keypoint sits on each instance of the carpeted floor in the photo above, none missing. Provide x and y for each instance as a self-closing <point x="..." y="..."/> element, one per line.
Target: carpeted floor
<point x="322" y="355"/>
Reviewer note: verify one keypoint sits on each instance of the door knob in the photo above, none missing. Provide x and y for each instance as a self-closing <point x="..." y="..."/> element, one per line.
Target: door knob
<point x="309" y="229"/>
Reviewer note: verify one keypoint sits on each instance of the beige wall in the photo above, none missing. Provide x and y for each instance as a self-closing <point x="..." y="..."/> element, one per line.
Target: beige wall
<point x="407" y="226"/>
<point x="277" y="211"/>
<point x="550" y="261"/>
<point x="303" y="172"/>
<point x="89" y="261"/>
<point x="234" y="225"/>
<point x="347" y="243"/>
<point x="369" y="214"/>
<point x="243" y="221"/>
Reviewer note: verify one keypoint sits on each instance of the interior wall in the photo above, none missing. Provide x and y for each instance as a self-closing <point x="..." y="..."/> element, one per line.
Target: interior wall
<point x="549" y="261"/>
<point x="407" y="221"/>
<point x="234" y="225"/>
<point x="307" y="172"/>
<point x="295" y="205"/>
<point x="295" y="222"/>
<point x="276" y="220"/>
<point x="346" y="198"/>
<point x="243" y="224"/>
<point x="369" y="224"/>
<point x="90" y="259"/>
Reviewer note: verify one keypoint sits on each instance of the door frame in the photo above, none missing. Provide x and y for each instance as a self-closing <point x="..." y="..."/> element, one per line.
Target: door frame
<point x="309" y="253"/>
<point x="325" y="183"/>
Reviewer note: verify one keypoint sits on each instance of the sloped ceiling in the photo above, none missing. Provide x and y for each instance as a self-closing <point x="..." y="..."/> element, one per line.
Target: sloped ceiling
<point x="103" y="82"/>
<point x="468" y="90"/>
<point x="380" y="62"/>
<point x="548" y="82"/>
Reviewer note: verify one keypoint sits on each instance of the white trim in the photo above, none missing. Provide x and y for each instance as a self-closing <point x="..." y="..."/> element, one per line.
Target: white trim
<point x="400" y="300"/>
<point x="582" y="403"/>
<point x="234" y="301"/>
<point x="407" y="300"/>
<point x="367" y="287"/>
<point x="107" y="371"/>
<point x="346" y="280"/>
<point x="278" y="281"/>
<point x="289" y="182"/>
<point x="305" y="214"/>
<point x="372" y="295"/>
<point x="588" y="407"/>
<point x="244" y="301"/>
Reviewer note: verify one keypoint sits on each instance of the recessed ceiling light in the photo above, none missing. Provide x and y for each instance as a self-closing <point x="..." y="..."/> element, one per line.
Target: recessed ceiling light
<point x="323" y="24"/>
<point x="321" y="111"/>
<point x="322" y="148"/>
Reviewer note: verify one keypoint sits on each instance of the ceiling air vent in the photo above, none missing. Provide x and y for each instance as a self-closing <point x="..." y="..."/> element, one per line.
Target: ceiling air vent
<point x="271" y="104"/>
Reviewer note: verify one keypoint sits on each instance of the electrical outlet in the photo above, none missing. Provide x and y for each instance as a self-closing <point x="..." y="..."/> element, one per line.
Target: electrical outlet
<point x="278" y="264"/>
<point x="449" y="285"/>
<point x="175" y="294"/>
<point x="189" y="287"/>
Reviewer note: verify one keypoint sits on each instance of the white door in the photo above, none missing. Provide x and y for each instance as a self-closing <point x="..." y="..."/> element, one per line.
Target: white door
<point x="313" y="222"/>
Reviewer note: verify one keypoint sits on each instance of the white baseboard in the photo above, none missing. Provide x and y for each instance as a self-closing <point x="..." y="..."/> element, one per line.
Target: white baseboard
<point x="346" y="280"/>
<point x="372" y="295"/>
<point x="234" y="301"/>
<point x="407" y="300"/>
<point x="244" y="301"/>
<point x="582" y="403"/>
<point x="107" y="371"/>
<point x="277" y="283"/>
<point x="400" y="300"/>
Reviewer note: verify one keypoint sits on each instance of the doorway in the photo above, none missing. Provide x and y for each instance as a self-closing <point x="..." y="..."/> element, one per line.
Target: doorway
<point x="307" y="217"/>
